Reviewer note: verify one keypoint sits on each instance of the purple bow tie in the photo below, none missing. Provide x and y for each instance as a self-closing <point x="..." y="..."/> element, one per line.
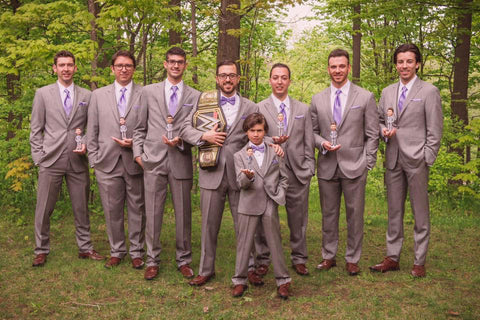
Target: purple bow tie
<point x="258" y="148"/>
<point x="224" y="100"/>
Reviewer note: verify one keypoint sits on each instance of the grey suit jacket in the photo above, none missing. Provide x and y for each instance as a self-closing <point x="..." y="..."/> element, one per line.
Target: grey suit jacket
<point x="299" y="148"/>
<point x="52" y="131"/>
<point x="357" y="133"/>
<point x="151" y="126"/>
<point x="236" y="139"/>
<point x="103" y="124"/>
<point x="419" y="125"/>
<point x="270" y="181"/>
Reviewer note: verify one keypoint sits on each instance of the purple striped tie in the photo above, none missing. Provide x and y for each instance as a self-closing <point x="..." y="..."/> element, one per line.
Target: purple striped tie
<point x="67" y="104"/>
<point x="172" y="106"/>
<point x="283" y="111"/>
<point x="122" y="103"/>
<point x="401" y="100"/>
<point x="337" y="108"/>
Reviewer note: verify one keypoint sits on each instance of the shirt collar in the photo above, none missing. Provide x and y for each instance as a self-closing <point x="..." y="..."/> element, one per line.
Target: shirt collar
<point x="409" y="85"/>
<point x="277" y="101"/>
<point x="118" y="86"/>
<point x="345" y="88"/>
<point x="69" y="88"/>
<point x="169" y="85"/>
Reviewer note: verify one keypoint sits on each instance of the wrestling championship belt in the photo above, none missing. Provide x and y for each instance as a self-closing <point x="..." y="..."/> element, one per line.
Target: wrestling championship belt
<point x="207" y="115"/>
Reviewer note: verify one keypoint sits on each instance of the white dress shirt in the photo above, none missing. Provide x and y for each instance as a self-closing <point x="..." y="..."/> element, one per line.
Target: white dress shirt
<point x="259" y="155"/>
<point x="343" y="96"/>
<point x="168" y="92"/>
<point x="118" y="93"/>
<point x="63" y="95"/>
<point x="409" y="86"/>
<point x="230" y="111"/>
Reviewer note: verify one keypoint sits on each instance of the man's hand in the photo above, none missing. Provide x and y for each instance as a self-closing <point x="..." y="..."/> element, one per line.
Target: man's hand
<point x="279" y="140"/>
<point x="249" y="173"/>
<point x="389" y="134"/>
<point x="172" y="143"/>
<point x="214" y="137"/>
<point x="139" y="161"/>
<point x="82" y="151"/>
<point x="328" y="146"/>
<point x="278" y="150"/>
<point x="126" y="143"/>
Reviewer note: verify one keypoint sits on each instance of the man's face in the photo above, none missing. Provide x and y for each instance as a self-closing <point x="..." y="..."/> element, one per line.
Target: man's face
<point x="175" y="66"/>
<point x="123" y="70"/>
<point x="256" y="133"/>
<point x="65" y="69"/>
<point x="406" y="66"/>
<point x="227" y="79"/>
<point x="280" y="81"/>
<point x="338" y="69"/>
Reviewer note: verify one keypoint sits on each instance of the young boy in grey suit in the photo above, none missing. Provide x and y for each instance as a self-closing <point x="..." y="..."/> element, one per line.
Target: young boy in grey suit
<point x="263" y="183"/>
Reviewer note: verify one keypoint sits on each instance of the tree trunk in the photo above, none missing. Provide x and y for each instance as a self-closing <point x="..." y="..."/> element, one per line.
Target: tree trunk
<point x="228" y="45"/>
<point x="459" y="95"/>
<point x="194" y="39"/>
<point x="94" y="9"/>
<point x="174" y="36"/>
<point x="357" y="42"/>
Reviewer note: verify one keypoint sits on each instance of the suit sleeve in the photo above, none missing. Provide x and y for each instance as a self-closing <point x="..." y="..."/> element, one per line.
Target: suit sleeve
<point x="37" y="127"/>
<point x="309" y="143"/>
<point x="371" y="131"/>
<point x="242" y="181"/>
<point x="92" y="130"/>
<point x="433" y="125"/>
<point x="381" y="115"/>
<point x="188" y="132"/>
<point x="141" y="126"/>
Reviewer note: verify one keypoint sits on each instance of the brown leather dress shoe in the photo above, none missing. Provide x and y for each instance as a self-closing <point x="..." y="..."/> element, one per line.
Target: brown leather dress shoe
<point x="186" y="271"/>
<point x="301" y="269"/>
<point x="137" y="263"/>
<point x="327" y="264"/>
<point x="151" y="273"/>
<point x="201" y="280"/>
<point x="255" y="279"/>
<point x="92" y="254"/>
<point x="112" y="262"/>
<point x="386" y="265"/>
<point x="261" y="270"/>
<point x="239" y="290"/>
<point x="418" y="271"/>
<point x="352" y="269"/>
<point x="283" y="291"/>
<point x="39" y="260"/>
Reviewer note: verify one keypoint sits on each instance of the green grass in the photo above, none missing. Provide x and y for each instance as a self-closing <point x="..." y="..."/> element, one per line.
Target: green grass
<point x="70" y="288"/>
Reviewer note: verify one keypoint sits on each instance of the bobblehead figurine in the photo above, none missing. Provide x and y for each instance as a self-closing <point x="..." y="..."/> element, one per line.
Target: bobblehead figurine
<point x="123" y="128"/>
<point x="169" y="127"/>
<point x="333" y="134"/>
<point x="281" y="128"/>
<point x="249" y="159"/>
<point x="78" y="139"/>
<point x="390" y="120"/>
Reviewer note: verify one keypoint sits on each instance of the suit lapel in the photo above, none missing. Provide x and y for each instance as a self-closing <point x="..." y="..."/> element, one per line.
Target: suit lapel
<point x="133" y="97"/>
<point x="161" y="101"/>
<point x="291" y="117"/>
<point x="267" y="159"/>
<point x="272" y="110"/>
<point x="413" y="92"/>
<point x="112" y="101"/>
<point x="352" y="94"/>
<point x="239" y="115"/>
<point x="58" y="104"/>
<point x="75" y="102"/>
<point x="327" y="103"/>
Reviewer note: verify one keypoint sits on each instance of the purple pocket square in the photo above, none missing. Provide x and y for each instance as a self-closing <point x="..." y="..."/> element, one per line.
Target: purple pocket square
<point x="417" y="99"/>
<point x="355" y="107"/>
<point x="136" y="107"/>
<point x="300" y="116"/>
<point x="274" y="161"/>
<point x="243" y="117"/>
<point x="82" y="104"/>
<point x="188" y="105"/>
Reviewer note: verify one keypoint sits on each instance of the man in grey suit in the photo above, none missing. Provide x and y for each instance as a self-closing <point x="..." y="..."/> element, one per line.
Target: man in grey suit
<point x="343" y="167"/>
<point x="216" y="184"/>
<point x="58" y="111"/>
<point x="166" y="161"/>
<point x="299" y="165"/>
<point x="412" y="148"/>
<point x="119" y="177"/>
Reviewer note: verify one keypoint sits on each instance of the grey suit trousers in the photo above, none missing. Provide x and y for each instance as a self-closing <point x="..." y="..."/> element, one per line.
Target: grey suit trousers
<point x="49" y="185"/>
<point x="297" y="217"/>
<point x="212" y="203"/>
<point x="330" y="197"/>
<point x="155" y="196"/>
<point x="398" y="181"/>
<point x="116" y="188"/>
<point x="270" y="225"/>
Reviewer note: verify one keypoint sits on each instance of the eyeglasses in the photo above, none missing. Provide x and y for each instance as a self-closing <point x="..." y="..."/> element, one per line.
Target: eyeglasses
<point x="127" y="67"/>
<point x="174" y="62"/>
<point x="223" y="76"/>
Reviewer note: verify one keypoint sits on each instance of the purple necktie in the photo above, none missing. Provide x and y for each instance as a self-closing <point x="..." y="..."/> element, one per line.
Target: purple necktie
<point x="258" y="148"/>
<point x="172" y="106"/>
<point x="122" y="103"/>
<point x="67" y="104"/>
<point x="337" y="108"/>
<point x="401" y="100"/>
<point x="224" y="100"/>
<point x="282" y="111"/>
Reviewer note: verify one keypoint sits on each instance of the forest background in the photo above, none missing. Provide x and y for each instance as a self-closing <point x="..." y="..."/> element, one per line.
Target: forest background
<point x="257" y="34"/>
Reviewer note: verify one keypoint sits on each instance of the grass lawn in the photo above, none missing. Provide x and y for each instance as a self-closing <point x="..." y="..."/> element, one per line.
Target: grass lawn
<point x="71" y="288"/>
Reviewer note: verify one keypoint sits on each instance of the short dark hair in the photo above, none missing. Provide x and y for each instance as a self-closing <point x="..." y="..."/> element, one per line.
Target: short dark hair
<point x="408" y="47"/>
<point x="63" y="54"/>
<point x="280" y="65"/>
<point x="338" y="53"/>
<point x="254" y="119"/>
<point x="124" y="53"/>
<point x="176" y="51"/>
<point x="228" y="63"/>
